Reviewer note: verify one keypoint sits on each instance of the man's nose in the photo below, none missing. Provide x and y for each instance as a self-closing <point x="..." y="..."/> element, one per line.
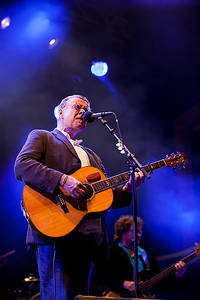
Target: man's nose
<point x="82" y="111"/>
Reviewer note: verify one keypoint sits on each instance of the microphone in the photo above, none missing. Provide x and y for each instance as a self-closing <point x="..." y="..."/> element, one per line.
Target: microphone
<point x="89" y="116"/>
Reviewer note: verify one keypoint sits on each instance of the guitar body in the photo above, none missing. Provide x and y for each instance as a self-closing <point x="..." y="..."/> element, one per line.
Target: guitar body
<point x="56" y="216"/>
<point x="47" y="216"/>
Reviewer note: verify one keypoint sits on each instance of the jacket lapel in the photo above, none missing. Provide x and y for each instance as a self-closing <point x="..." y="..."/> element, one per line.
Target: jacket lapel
<point x="59" y="135"/>
<point x="92" y="161"/>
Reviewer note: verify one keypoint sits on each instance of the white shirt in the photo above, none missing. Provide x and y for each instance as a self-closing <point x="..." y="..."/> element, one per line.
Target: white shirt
<point x="91" y="224"/>
<point x="79" y="150"/>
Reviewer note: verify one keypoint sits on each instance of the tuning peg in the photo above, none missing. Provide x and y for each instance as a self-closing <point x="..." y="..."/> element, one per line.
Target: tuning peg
<point x="118" y="144"/>
<point x="120" y="148"/>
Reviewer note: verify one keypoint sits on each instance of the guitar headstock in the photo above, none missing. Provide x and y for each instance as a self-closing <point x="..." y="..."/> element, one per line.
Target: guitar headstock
<point x="197" y="249"/>
<point x="176" y="160"/>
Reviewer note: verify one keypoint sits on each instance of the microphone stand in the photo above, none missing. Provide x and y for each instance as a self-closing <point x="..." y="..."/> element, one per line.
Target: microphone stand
<point x="134" y="165"/>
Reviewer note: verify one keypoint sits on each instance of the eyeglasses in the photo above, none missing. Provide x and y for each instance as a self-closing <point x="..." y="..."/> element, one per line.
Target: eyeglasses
<point x="78" y="107"/>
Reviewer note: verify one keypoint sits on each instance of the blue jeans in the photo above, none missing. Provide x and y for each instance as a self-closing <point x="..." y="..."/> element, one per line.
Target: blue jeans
<point x="65" y="267"/>
<point x="52" y="279"/>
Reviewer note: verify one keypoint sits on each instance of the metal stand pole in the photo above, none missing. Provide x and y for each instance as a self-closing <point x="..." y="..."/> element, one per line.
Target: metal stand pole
<point x="133" y="165"/>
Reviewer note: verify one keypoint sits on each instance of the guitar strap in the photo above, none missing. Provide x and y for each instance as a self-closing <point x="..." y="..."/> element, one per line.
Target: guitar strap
<point x="145" y="266"/>
<point x="146" y="274"/>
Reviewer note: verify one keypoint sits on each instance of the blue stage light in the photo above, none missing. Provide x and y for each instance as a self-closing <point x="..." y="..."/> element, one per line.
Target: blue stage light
<point x="38" y="24"/>
<point x="5" y="23"/>
<point x="56" y="112"/>
<point x="53" y="43"/>
<point x="99" y="68"/>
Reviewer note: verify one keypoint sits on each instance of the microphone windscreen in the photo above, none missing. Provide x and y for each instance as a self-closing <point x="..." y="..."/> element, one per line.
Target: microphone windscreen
<point x="87" y="116"/>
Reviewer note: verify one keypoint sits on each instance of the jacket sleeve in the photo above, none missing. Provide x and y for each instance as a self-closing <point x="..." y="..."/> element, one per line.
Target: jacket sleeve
<point x="30" y="163"/>
<point x="118" y="270"/>
<point x="121" y="198"/>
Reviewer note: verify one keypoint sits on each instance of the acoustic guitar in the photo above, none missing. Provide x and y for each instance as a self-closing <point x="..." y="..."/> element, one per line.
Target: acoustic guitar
<point x="56" y="215"/>
<point x="147" y="285"/>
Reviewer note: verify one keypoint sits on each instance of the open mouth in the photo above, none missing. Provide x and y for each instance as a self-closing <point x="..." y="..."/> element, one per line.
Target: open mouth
<point x="80" y="119"/>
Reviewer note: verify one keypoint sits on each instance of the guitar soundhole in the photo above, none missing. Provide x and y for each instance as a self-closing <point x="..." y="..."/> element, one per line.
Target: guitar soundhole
<point x="81" y="203"/>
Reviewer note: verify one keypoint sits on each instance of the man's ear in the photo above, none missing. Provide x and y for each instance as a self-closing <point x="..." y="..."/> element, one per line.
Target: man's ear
<point x="60" y="113"/>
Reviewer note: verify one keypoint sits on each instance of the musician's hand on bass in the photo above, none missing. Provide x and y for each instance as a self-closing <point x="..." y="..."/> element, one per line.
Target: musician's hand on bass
<point x="180" y="268"/>
<point x="130" y="286"/>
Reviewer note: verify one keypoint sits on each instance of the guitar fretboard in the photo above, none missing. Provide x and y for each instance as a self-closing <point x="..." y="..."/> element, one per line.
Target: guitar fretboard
<point x="124" y="177"/>
<point x="154" y="166"/>
<point x="110" y="182"/>
<point x="145" y="286"/>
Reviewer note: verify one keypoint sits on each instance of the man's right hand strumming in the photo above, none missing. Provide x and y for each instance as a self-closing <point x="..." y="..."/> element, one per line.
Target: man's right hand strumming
<point x="72" y="186"/>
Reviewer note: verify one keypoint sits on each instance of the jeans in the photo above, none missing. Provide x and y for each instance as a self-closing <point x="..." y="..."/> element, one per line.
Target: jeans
<point x="64" y="268"/>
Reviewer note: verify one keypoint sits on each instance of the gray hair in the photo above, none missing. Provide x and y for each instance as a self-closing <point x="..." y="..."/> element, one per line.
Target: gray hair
<point x="64" y="101"/>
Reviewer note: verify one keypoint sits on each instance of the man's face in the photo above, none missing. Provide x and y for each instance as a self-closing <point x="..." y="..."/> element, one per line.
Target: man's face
<point x="72" y="116"/>
<point x="127" y="237"/>
<point x="139" y="233"/>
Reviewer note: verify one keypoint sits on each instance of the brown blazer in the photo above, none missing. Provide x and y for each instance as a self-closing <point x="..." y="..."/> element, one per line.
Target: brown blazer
<point x="44" y="158"/>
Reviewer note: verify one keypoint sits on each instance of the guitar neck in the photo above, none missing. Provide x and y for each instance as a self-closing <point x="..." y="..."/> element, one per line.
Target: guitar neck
<point x="144" y="286"/>
<point x="110" y="182"/>
<point x="124" y="177"/>
<point x="155" y="165"/>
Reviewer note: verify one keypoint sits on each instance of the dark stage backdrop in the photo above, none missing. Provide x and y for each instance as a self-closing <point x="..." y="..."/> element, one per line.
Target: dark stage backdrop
<point x="152" y="50"/>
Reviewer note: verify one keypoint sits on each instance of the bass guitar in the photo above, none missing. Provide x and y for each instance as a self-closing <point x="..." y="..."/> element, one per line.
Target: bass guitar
<point x="56" y="215"/>
<point x="146" y="286"/>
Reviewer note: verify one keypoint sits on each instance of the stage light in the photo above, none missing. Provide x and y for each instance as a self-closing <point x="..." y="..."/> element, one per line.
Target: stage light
<point x="99" y="68"/>
<point x="38" y="25"/>
<point x="53" y="43"/>
<point x="5" y="23"/>
<point x="56" y="112"/>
